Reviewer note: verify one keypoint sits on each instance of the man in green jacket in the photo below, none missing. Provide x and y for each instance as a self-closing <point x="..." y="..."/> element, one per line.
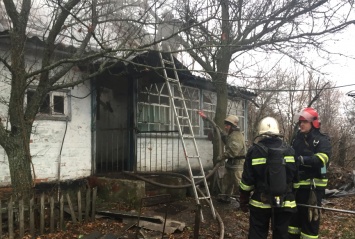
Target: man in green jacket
<point x="234" y="154"/>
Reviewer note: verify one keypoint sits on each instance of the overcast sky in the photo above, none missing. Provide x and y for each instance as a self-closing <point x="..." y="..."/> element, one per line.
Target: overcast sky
<point x="343" y="70"/>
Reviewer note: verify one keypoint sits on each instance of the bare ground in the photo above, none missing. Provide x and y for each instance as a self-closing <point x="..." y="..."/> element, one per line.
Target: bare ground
<point x="334" y="225"/>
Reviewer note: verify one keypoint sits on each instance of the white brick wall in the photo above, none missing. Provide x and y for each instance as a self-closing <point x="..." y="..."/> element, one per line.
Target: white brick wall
<point x="48" y="135"/>
<point x="152" y="157"/>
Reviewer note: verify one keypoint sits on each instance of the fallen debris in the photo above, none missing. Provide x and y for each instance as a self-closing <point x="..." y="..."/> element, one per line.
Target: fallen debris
<point x="122" y="215"/>
<point x="170" y="226"/>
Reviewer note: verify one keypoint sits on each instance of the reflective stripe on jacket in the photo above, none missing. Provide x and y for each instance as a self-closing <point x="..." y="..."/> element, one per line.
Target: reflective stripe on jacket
<point x="254" y="175"/>
<point x="315" y="145"/>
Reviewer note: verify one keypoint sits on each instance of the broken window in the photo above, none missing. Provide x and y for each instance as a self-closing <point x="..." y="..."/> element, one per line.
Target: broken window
<point x="54" y="106"/>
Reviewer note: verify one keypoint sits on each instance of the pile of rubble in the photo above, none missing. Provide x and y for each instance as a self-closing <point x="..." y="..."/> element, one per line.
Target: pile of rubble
<point x="341" y="181"/>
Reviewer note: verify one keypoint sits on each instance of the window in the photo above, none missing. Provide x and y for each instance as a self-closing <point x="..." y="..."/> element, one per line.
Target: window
<point x="154" y="108"/>
<point x="156" y="114"/>
<point x="55" y="105"/>
<point x="237" y="107"/>
<point x="192" y="101"/>
<point x="209" y="108"/>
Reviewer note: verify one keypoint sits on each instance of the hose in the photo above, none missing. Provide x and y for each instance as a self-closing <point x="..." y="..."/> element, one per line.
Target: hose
<point x="218" y="164"/>
<point x="218" y="217"/>
<point x="327" y="208"/>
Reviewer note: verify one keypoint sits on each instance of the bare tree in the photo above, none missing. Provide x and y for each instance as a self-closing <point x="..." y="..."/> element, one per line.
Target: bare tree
<point x="280" y="95"/>
<point x="94" y="30"/>
<point x="342" y="133"/>
<point x="224" y="32"/>
<point x="287" y="93"/>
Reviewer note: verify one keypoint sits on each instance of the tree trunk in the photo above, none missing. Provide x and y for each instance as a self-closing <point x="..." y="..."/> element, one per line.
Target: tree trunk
<point x="20" y="171"/>
<point x="221" y="109"/>
<point x="220" y="82"/>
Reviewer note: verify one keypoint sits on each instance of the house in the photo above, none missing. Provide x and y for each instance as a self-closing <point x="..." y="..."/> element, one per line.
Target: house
<point x="120" y="121"/>
<point x="134" y="120"/>
<point x="61" y="140"/>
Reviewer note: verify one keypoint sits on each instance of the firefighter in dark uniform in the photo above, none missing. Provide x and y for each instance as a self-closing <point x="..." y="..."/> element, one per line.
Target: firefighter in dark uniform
<point x="263" y="207"/>
<point x="312" y="152"/>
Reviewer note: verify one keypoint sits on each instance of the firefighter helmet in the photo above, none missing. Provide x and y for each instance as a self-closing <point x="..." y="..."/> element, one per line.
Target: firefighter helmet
<point x="311" y="115"/>
<point x="233" y="119"/>
<point x="268" y="126"/>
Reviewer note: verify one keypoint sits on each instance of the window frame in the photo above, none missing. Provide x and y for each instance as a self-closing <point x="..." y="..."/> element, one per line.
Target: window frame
<point x="200" y="127"/>
<point x="65" y="116"/>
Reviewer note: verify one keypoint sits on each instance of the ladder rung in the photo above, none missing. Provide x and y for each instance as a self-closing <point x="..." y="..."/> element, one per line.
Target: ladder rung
<point x="204" y="198"/>
<point x="167" y="61"/>
<point x="188" y="136"/>
<point x="182" y="117"/>
<point x="198" y="176"/>
<point x="193" y="157"/>
<point x="172" y="80"/>
<point x="178" y="98"/>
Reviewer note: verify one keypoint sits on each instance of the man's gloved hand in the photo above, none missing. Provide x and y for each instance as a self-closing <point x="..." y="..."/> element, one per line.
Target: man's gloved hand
<point x="313" y="213"/>
<point x="244" y="201"/>
<point x="220" y="130"/>
<point x="306" y="160"/>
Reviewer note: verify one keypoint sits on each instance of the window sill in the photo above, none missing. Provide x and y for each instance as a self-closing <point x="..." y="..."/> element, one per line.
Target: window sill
<point x="53" y="117"/>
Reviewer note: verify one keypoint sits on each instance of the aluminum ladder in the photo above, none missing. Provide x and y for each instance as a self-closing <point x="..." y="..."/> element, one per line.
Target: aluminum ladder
<point x="183" y="122"/>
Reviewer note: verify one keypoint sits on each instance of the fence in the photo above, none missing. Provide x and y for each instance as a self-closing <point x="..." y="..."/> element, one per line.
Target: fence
<point x="112" y="149"/>
<point x="159" y="151"/>
<point x="45" y="213"/>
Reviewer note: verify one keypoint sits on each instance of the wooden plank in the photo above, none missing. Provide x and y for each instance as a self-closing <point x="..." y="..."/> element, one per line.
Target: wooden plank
<point x="72" y="213"/>
<point x="10" y="219"/>
<point x="93" y="209"/>
<point x="51" y="224"/>
<point x="21" y="208"/>
<point x="87" y="204"/>
<point x="93" y="235"/>
<point x="61" y="217"/>
<point x="32" y="216"/>
<point x="80" y="216"/>
<point x="123" y="215"/>
<point x="42" y="216"/>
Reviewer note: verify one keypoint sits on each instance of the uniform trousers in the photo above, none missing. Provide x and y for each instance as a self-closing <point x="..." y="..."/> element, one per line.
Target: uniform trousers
<point x="300" y="226"/>
<point x="259" y="221"/>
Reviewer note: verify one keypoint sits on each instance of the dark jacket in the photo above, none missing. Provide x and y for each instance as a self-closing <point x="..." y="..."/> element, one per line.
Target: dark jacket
<point x="253" y="178"/>
<point x="315" y="145"/>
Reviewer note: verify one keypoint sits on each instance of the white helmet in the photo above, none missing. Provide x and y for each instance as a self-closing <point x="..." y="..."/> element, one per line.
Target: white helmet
<point x="268" y="126"/>
<point x="233" y="119"/>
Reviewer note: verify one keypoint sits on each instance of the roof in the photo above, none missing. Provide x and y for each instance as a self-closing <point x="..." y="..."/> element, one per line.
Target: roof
<point x="36" y="42"/>
<point x="152" y="59"/>
<point x="140" y="62"/>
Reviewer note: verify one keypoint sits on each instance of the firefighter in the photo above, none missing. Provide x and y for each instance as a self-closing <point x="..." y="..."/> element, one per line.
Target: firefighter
<point x="312" y="149"/>
<point x="263" y="204"/>
<point x="234" y="153"/>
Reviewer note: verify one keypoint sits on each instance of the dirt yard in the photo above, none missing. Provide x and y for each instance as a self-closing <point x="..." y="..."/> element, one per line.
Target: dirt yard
<point x="333" y="225"/>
